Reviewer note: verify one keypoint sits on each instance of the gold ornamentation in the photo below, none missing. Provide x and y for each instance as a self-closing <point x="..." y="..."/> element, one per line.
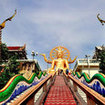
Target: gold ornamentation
<point x="60" y="57"/>
<point x="102" y="21"/>
<point x="8" y="19"/>
<point x="54" y="53"/>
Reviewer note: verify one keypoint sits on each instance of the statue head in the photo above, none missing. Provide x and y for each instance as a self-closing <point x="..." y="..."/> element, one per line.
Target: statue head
<point x="59" y="53"/>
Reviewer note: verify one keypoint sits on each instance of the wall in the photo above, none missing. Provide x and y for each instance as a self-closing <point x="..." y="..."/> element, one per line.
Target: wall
<point x="92" y="71"/>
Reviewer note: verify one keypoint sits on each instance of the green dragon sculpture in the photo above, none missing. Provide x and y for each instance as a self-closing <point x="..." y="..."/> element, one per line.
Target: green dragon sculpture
<point x="10" y="91"/>
<point x="97" y="82"/>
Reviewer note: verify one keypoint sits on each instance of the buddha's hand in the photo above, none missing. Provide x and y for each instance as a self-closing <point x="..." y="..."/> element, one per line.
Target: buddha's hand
<point x="43" y="54"/>
<point x="50" y="69"/>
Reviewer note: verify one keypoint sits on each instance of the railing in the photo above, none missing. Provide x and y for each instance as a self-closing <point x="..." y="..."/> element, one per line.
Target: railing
<point x="85" y="62"/>
<point x="92" y="97"/>
<point x="28" y="97"/>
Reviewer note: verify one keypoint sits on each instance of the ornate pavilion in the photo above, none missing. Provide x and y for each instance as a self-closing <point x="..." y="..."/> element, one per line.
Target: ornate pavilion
<point x="18" y="50"/>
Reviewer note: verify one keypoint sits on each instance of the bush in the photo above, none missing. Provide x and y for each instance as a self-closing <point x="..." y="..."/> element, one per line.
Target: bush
<point x="102" y="61"/>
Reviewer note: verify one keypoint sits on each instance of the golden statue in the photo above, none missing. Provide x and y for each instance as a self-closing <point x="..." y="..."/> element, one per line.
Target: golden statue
<point x="60" y="59"/>
<point x="102" y="21"/>
<point x="8" y="19"/>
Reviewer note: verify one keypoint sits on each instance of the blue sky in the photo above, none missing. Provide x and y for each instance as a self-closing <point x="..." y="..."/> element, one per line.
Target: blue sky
<point x="44" y="24"/>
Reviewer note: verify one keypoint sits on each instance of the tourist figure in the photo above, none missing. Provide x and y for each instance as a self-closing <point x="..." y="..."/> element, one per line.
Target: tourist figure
<point x="67" y="71"/>
<point x="58" y="71"/>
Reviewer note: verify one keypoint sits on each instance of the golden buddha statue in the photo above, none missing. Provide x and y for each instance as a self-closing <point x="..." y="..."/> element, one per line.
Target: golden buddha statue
<point x="60" y="57"/>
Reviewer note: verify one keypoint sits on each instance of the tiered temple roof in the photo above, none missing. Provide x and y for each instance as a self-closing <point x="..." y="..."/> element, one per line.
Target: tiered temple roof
<point x="19" y="50"/>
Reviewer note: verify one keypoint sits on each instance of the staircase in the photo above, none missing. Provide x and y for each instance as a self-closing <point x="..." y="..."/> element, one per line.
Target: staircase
<point x="60" y="94"/>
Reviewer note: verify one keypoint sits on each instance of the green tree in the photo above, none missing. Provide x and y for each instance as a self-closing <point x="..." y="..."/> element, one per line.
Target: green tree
<point x="13" y="65"/>
<point x="102" y="61"/>
<point x="4" y="77"/>
<point x="4" y="52"/>
<point x="9" y="71"/>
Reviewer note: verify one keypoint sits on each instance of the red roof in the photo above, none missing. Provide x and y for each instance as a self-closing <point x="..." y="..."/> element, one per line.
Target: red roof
<point x="14" y="47"/>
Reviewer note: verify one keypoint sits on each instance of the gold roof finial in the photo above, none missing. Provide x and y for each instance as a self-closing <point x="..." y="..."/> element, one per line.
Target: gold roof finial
<point x="102" y="21"/>
<point x="8" y="19"/>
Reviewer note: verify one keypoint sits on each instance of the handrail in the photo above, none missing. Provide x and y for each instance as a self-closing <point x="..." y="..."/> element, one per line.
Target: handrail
<point x="92" y="96"/>
<point x="30" y="93"/>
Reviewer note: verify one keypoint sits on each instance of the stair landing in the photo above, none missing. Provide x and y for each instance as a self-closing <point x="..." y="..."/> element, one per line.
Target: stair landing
<point x="60" y="94"/>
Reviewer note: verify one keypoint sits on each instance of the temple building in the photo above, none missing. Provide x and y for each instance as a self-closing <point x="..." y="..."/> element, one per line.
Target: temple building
<point x="90" y="66"/>
<point x="28" y="66"/>
<point x="20" y="51"/>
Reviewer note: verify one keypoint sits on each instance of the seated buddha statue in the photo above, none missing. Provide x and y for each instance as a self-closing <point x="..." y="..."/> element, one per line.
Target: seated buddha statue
<point x="59" y="59"/>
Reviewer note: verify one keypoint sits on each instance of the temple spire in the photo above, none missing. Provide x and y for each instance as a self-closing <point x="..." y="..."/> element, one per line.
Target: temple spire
<point x="1" y="27"/>
<point x="102" y="21"/>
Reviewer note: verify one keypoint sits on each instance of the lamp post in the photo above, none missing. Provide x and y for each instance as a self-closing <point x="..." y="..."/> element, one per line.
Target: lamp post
<point x="34" y="54"/>
<point x="87" y="56"/>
